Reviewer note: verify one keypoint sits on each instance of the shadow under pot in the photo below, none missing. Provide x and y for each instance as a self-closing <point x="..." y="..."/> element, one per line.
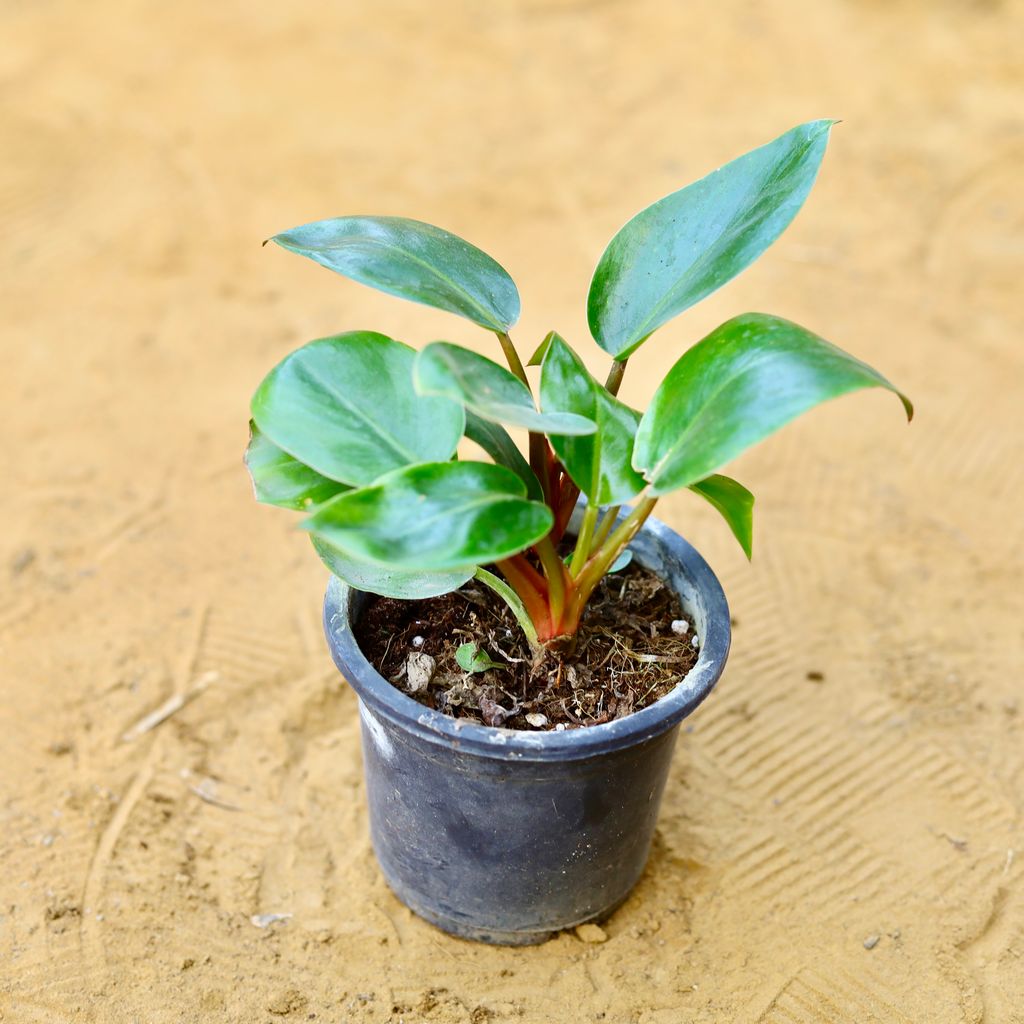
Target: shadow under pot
<point x="507" y="836"/>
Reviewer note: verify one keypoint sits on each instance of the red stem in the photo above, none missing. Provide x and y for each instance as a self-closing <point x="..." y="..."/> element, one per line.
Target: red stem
<point x="518" y="572"/>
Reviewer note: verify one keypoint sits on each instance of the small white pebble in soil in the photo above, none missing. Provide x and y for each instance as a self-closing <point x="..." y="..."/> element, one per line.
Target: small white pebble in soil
<point x="560" y="727"/>
<point x="591" y="933"/>
<point x="871" y="941"/>
<point x="680" y="627"/>
<point x="265" y="920"/>
<point x="537" y="720"/>
<point x="419" y="670"/>
<point x="417" y="641"/>
<point x="695" y="641"/>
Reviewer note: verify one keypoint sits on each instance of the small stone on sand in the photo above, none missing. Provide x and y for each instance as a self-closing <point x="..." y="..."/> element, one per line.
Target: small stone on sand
<point x="591" y="933"/>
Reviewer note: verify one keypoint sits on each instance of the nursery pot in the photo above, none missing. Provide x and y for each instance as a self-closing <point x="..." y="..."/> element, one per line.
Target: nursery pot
<point x="504" y="835"/>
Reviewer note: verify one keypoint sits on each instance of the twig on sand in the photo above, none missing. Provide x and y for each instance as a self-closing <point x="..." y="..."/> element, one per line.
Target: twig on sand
<point x="206" y="790"/>
<point x="171" y="706"/>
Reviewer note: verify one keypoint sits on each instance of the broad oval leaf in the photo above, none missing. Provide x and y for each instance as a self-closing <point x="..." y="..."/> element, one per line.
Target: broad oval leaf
<point x="487" y="389"/>
<point x="744" y="381"/>
<point x="279" y="479"/>
<point x="495" y="440"/>
<point x="407" y="586"/>
<point x="435" y="516"/>
<point x="346" y="407"/>
<point x="690" y="243"/>
<point x="600" y="465"/>
<point x="735" y="503"/>
<point x="414" y="261"/>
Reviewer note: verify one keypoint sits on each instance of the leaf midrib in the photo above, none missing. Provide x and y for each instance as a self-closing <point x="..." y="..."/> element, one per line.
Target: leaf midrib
<point x="712" y="397"/>
<point x="397" y="447"/>
<point x="412" y="257"/>
<point x="644" y="329"/>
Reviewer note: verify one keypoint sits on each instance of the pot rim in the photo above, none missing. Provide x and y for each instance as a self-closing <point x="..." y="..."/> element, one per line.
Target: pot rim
<point x="387" y="701"/>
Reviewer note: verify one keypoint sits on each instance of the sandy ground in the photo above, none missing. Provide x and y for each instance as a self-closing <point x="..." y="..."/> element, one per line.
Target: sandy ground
<point x="146" y="149"/>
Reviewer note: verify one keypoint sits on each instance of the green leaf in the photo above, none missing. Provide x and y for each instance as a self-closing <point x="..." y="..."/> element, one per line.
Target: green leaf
<point x="735" y="503"/>
<point x="541" y="350"/>
<point x="346" y="407"/>
<point x="414" y="261"/>
<point x="600" y="465"/>
<point x="744" y="381"/>
<point x="472" y="658"/>
<point x="487" y="389"/>
<point x="495" y="440"/>
<point x="690" y="243"/>
<point x="406" y="586"/>
<point x="279" y="479"/>
<point x="625" y="557"/>
<point x="435" y="516"/>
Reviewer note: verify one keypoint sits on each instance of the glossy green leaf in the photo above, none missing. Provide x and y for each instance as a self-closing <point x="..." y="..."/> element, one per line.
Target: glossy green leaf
<point x="406" y="586"/>
<point x="414" y="261"/>
<point x="279" y="479"/>
<point x="735" y="503"/>
<point x="690" y="243"/>
<point x="346" y="407"/>
<point x="600" y="464"/>
<point x="435" y="516"/>
<point x="472" y="658"/>
<point x="744" y="381"/>
<point x="541" y="350"/>
<point x="495" y="440"/>
<point x="488" y="389"/>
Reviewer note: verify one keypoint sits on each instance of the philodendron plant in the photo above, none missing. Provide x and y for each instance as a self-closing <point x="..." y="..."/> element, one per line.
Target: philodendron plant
<point x="360" y="431"/>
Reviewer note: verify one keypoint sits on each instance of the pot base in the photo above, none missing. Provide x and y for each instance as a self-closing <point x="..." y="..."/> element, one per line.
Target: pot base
<point x="461" y="928"/>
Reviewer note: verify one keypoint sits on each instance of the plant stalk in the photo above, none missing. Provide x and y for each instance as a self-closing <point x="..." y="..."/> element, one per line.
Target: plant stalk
<point x="615" y="375"/>
<point x="607" y="522"/>
<point x="583" y="540"/>
<point x="515" y="603"/>
<point x="539" y="458"/>
<point x="602" y="559"/>
<point x="515" y="364"/>
<point x="555" y="571"/>
<point x="534" y="602"/>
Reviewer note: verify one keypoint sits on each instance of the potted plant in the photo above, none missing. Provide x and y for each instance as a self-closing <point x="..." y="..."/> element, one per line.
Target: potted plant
<point x="489" y="819"/>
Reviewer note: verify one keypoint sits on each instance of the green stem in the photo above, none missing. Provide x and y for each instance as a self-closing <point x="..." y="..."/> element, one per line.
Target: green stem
<point x="513" y="600"/>
<point x="607" y="522"/>
<point x="539" y="461"/>
<point x="515" y="364"/>
<point x="615" y="375"/>
<point x="602" y="560"/>
<point x="554" y="570"/>
<point x="579" y="555"/>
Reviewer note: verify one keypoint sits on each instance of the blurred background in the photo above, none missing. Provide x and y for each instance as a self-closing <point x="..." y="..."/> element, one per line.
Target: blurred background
<point x="842" y="837"/>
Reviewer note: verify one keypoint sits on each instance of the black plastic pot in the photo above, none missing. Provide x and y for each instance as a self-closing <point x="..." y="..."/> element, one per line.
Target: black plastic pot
<point x="508" y="836"/>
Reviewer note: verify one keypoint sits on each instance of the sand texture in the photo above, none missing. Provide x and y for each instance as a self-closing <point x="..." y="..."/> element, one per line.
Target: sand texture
<point x="858" y="777"/>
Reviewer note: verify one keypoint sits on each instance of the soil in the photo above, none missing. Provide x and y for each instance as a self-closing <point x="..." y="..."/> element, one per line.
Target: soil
<point x="216" y="868"/>
<point x="627" y="655"/>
